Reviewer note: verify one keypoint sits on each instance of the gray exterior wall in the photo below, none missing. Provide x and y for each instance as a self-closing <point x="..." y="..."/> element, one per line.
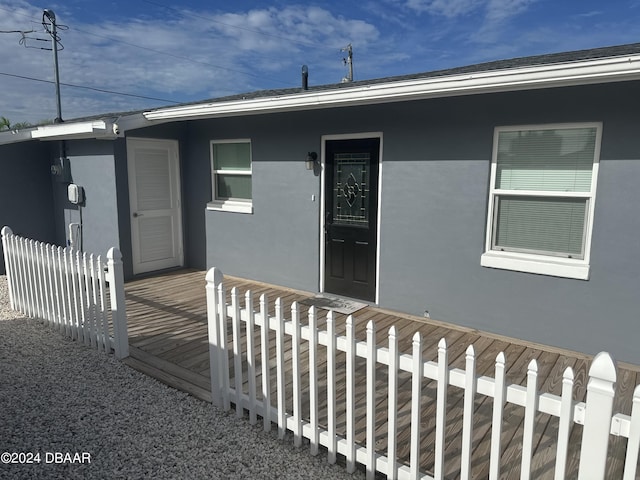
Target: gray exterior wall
<point x="435" y="174"/>
<point x="92" y="166"/>
<point x="442" y="200"/>
<point x="25" y="192"/>
<point x="279" y="242"/>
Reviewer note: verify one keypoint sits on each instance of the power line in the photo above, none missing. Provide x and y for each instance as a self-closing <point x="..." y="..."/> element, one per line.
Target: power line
<point x="95" y="89"/>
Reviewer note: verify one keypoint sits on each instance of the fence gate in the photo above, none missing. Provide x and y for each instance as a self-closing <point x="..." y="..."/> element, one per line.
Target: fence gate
<point x="81" y="295"/>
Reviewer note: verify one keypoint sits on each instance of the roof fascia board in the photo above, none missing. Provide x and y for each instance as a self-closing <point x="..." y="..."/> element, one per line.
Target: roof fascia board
<point x="98" y="129"/>
<point x="525" y="78"/>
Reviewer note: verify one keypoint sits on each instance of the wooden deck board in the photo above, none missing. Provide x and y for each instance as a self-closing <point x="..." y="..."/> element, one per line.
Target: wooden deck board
<point x="168" y="338"/>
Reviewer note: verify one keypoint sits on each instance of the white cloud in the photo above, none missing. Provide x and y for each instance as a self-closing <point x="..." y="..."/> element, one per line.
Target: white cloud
<point x="593" y="13"/>
<point x="499" y="11"/>
<point x="447" y="8"/>
<point x="499" y="15"/>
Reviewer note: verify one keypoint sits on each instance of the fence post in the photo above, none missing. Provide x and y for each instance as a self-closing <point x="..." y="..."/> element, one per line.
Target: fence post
<point x="214" y="278"/>
<point x="597" y="421"/>
<point x="118" y="309"/>
<point x="6" y="233"/>
<point x="633" y="445"/>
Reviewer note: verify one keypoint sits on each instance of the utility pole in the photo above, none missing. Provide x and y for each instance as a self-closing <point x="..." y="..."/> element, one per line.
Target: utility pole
<point x="54" y="40"/>
<point x="349" y="62"/>
<point x="60" y="171"/>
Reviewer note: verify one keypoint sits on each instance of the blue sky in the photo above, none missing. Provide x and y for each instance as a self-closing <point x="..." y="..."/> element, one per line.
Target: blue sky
<point x="193" y="50"/>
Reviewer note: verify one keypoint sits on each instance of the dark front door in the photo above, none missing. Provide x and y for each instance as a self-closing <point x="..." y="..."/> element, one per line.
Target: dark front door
<point x="351" y="207"/>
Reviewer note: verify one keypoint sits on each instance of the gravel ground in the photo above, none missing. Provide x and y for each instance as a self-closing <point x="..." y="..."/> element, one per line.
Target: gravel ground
<point x="58" y="397"/>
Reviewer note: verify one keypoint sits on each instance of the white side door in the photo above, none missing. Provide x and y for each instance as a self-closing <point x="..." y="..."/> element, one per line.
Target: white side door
<point x="154" y="198"/>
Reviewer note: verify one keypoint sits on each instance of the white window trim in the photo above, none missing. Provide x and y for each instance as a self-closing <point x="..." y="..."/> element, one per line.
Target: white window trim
<point x="236" y="205"/>
<point x="539" y="263"/>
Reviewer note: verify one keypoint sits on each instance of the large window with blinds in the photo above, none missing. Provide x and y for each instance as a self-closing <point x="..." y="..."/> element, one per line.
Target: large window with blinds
<point x="231" y="175"/>
<point x="542" y="193"/>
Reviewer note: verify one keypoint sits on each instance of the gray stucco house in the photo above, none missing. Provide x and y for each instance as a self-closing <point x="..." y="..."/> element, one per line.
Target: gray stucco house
<point x="502" y="196"/>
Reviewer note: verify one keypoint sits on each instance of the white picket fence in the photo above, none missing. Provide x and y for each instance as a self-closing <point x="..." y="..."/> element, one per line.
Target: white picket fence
<point x="247" y="356"/>
<point x="80" y="295"/>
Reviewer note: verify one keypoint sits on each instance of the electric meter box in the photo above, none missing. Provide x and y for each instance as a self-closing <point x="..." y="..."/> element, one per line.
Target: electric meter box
<point x="75" y="194"/>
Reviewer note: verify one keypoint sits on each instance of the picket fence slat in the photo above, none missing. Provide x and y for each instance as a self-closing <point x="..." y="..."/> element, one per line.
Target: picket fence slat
<point x="467" y="417"/>
<point x="564" y="423"/>
<point x="22" y="276"/>
<point x="38" y="272"/>
<point x="371" y="400"/>
<point x="251" y="359"/>
<point x="392" y="413"/>
<point x="416" y="404"/>
<point x="499" y="394"/>
<point x="103" y="306"/>
<point x="529" y="419"/>
<point x="331" y="388"/>
<point x="214" y="280"/>
<point x="224" y="349"/>
<point x="237" y="358"/>
<point x="89" y="316"/>
<point x="633" y="445"/>
<point x="313" y="383"/>
<point x="266" y="371"/>
<point x="66" y="289"/>
<point x="28" y="282"/>
<point x="297" y="384"/>
<point x="350" y="400"/>
<point x="280" y="369"/>
<point x="598" y="412"/>
<point x="441" y="408"/>
<point x="290" y="333"/>
<point x="42" y="277"/>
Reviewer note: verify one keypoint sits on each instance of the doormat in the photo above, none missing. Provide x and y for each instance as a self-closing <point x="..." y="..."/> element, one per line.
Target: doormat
<point x="339" y="305"/>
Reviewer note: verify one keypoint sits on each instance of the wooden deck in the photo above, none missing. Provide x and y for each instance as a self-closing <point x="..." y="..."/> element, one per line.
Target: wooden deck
<point x="168" y="340"/>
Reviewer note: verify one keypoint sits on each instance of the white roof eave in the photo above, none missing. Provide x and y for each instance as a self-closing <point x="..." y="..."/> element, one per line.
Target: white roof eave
<point x="524" y="78"/>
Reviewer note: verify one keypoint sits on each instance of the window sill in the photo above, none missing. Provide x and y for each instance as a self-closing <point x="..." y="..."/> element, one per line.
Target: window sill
<point x="541" y="265"/>
<point x="231" y="206"/>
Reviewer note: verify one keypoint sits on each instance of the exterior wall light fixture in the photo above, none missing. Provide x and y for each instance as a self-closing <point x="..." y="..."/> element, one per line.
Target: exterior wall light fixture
<point x="311" y="160"/>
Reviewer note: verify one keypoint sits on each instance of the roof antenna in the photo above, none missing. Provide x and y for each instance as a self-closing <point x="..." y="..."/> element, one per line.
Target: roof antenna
<point x="305" y="77"/>
<point x="349" y="62"/>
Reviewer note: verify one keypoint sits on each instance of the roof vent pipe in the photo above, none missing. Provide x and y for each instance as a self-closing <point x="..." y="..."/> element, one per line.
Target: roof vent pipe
<point x="305" y="77"/>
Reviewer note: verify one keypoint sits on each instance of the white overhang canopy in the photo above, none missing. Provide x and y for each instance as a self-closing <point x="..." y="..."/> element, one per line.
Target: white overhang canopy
<point x="76" y="130"/>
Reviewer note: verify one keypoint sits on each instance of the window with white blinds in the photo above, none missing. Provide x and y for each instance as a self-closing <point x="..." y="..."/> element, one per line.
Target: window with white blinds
<point x="543" y="182"/>
<point x="231" y="175"/>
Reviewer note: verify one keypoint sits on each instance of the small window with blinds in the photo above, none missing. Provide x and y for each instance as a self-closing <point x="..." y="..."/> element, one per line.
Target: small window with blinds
<point x="543" y="183"/>
<point x="231" y="175"/>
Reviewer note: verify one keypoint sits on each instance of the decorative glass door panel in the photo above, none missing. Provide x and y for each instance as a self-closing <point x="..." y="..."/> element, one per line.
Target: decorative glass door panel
<point x="351" y="188"/>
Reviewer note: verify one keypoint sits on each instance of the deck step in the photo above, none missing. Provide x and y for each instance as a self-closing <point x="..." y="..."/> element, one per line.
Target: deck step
<point x="169" y="373"/>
